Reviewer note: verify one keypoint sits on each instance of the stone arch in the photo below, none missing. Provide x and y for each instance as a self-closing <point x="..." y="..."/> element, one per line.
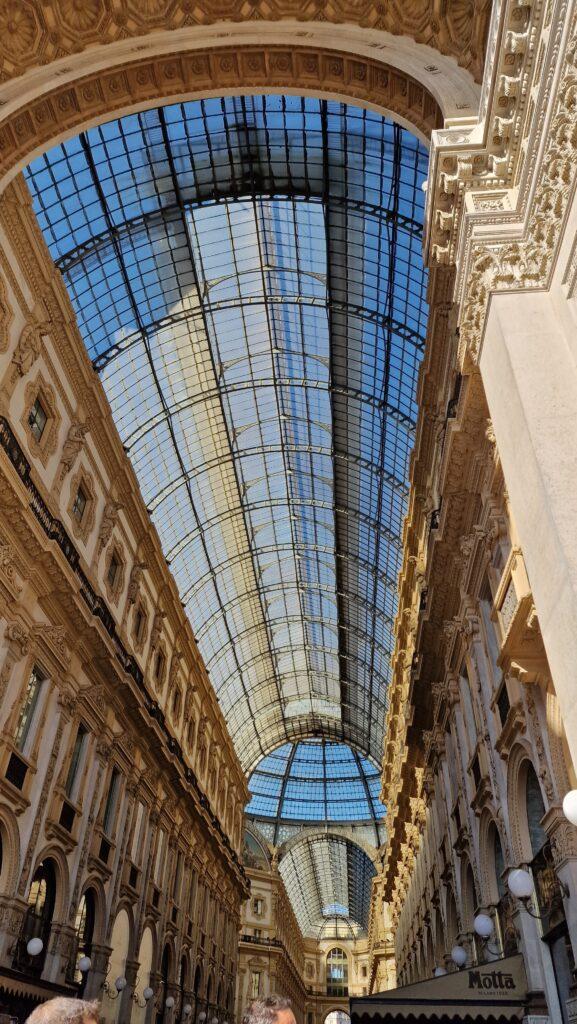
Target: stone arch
<point x="331" y="833"/>
<point x="469" y="895"/>
<point x="10" y="839"/>
<point x="94" y="883"/>
<point x="519" y="761"/>
<point x="452" y="927"/>
<point x="487" y="830"/>
<point x="64" y="110"/>
<point x="56" y="855"/>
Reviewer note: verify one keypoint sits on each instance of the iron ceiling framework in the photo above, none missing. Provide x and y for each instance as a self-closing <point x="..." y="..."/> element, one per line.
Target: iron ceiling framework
<point x="248" y="279"/>
<point x="328" y="881"/>
<point x="316" y="782"/>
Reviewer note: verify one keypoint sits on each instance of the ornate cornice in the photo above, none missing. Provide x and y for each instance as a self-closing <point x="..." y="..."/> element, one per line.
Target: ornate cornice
<point x="34" y="34"/>
<point x="136" y="84"/>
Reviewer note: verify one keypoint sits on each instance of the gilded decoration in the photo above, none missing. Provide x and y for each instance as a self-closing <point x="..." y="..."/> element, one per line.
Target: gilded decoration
<point x="82" y="527"/>
<point x="34" y="34"/>
<point x="46" y="446"/>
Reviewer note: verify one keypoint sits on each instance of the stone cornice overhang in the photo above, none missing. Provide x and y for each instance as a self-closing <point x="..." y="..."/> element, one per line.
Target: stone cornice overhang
<point x="36" y="34"/>
<point x="499" y="233"/>
<point x="37" y="269"/>
<point x="54" y="567"/>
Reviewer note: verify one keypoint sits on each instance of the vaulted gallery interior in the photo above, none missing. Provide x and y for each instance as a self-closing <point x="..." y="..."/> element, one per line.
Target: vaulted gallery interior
<point x="288" y="570"/>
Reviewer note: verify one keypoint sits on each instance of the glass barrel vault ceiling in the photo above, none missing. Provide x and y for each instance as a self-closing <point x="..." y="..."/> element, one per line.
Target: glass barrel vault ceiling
<point x="328" y="882"/>
<point x="312" y="782"/>
<point x="248" y="280"/>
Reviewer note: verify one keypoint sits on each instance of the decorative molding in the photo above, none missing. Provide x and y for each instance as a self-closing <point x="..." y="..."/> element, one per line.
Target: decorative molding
<point x="33" y="35"/>
<point x="48" y="443"/>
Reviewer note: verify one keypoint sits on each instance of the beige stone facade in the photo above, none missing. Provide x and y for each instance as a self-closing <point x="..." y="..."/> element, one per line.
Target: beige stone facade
<point x="121" y="792"/>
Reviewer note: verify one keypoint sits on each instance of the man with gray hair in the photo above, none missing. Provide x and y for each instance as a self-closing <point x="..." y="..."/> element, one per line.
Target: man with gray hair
<point x="270" y="1010"/>
<point x="65" y="1011"/>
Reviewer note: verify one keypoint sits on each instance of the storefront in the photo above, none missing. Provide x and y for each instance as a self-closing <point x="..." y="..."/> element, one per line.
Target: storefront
<point x="492" y="992"/>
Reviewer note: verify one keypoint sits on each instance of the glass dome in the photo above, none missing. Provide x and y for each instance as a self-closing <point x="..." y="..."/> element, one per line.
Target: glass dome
<point x="316" y="781"/>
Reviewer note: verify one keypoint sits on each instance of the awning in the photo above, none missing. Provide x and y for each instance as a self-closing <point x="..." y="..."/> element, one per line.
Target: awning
<point x="494" y="991"/>
<point x="12" y="983"/>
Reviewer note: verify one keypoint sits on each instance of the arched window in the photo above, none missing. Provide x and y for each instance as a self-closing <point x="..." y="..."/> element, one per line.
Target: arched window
<point x="337" y="1017"/>
<point x="507" y="929"/>
<point x="337" y="973"/>
<point x="164" y="979"/>
<point x="535" y="811"/>
<point x="469" y="898"/>
<point x="84" y="928"/>
<point x="499" y="861"/>
<point x="38" y="918"/>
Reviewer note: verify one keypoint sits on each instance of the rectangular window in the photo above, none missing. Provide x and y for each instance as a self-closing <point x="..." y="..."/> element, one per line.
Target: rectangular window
<point x="28" y="709"/>
<point x="503" y="704"/>
<point x="159" y="857"/>
<point x="113" y="568"/>
<point x="137" y="840"/>
<point x="75" y="760"/>
<point x="257" y="906"/>
<point x="79" y="505"/>
<point x="254" y="984"/>
<point x="177" y="878"/>
<point x="111" y="801"/>
<point x="37" y="419"/>
<point x="138" y="623"/>
<point x="159" y="666"/>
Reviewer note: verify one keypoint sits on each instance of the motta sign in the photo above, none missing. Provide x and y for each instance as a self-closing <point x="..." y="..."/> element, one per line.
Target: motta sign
<point x="490" y="981"/>
<point x="472" y="991"/>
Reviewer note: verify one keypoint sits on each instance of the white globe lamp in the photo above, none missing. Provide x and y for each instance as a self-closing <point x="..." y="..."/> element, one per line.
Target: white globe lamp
<point x="120" y="984"/>
<point x="439" y="972"/>
<point x="483" y="926"/>
<point x="520" y="883"/>
<point x="459" y="956"/>
<point x="148" y="993"/>
<point x="202" y="1016"/>
<point x="187" y="1010"/>
<point x="570" y="806"/>
<point x="169" y="1002"/>
<point x="84" y="964"/>
<point x="34" y="947"/>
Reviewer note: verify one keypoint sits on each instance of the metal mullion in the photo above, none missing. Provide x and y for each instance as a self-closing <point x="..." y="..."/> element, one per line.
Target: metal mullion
<point x="368" y="794"/>
<point x="229" y="439"/>
<point x="253" y="556"/>
<point x="86" y="146"/>
<point x="76" y="255"/>
<point x="272" y="334"/>
<point x="352" y="513"/>
<point x="395" y="182"/>
<point x="341" y="611"/>
<point x="286" y="587"/>
<point x="349" y="559"/>
<point x="299" y="382"/>
<point x="351" y="628"/>
<point x="283" y="791"/>
<point x="315" y="523"/>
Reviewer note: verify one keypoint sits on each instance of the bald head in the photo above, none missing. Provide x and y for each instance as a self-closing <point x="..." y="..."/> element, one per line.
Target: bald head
<point x="65" y="1011"/>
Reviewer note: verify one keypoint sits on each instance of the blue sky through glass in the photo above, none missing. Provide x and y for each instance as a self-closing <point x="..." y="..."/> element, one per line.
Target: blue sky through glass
<point x="248" y="281"/>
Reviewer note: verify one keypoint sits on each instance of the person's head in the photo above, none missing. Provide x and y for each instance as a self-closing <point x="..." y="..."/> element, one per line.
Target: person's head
<point x="65" y="1011"/>
<point x="271" y="1010"/>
